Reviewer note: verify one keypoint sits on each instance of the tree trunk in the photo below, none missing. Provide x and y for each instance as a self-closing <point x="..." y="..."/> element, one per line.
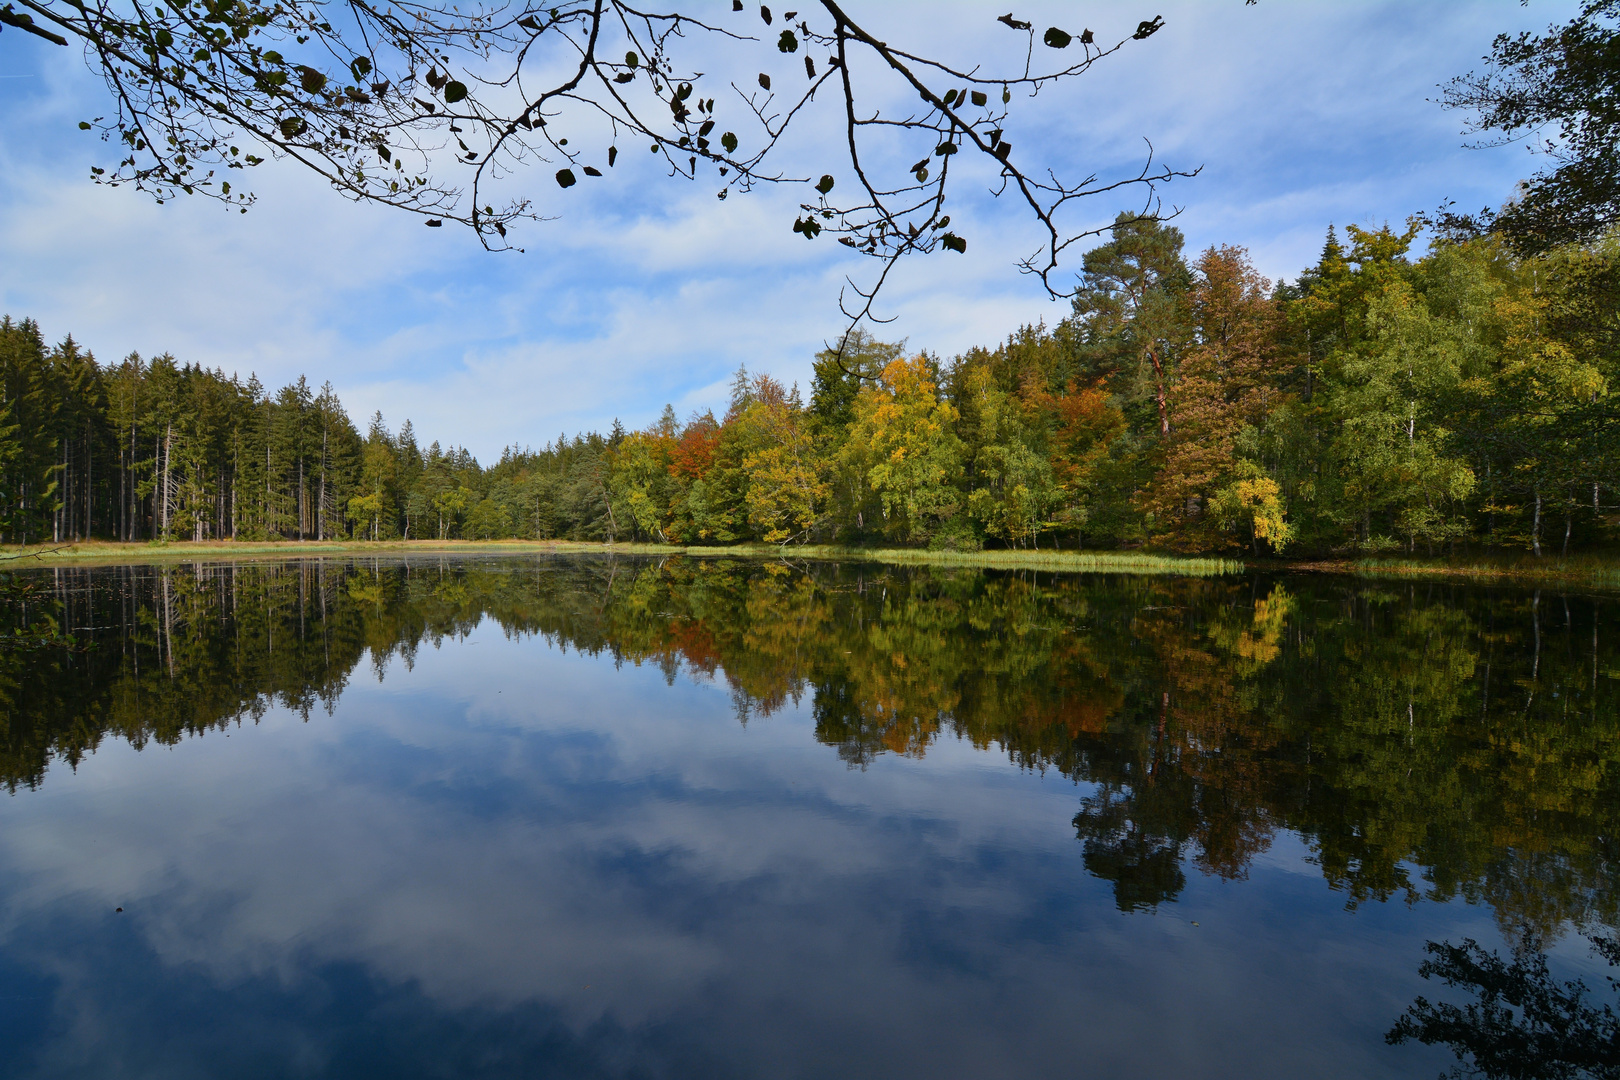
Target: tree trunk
<point x="89" y="478"/>
<point x="1164" y="403"/>
<point x="168" y="461"/>
<point x="56" y="518"/>
<point x="1535" y="528"/>
<point x="1490" y="516"/>
<point x="320" y="503"/>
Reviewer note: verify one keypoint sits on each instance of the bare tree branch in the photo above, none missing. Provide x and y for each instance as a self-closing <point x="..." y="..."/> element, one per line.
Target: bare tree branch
<point x="436" y="108"/>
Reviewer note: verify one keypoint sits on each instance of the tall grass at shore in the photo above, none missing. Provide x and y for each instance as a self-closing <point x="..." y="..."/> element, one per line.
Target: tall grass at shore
<point x="1073" y="562"/>
<point x="1600" y="570"/>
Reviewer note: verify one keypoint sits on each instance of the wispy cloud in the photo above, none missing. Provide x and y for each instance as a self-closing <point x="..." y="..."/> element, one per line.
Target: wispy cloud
<point x="646" y="290"/>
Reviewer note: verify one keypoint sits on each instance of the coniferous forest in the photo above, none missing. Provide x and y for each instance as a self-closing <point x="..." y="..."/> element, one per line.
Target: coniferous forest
<point x="1437" y="400"/>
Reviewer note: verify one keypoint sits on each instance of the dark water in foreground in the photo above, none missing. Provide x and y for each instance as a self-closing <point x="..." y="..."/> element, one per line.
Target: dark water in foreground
<point x="536" y="817"/>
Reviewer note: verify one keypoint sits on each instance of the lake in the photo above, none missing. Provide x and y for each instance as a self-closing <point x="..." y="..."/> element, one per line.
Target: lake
<point x="591" y="817"/>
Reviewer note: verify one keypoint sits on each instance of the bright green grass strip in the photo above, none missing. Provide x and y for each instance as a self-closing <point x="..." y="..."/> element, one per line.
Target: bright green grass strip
<point x="1073" y="562"/>
<point x="109" y="553"/>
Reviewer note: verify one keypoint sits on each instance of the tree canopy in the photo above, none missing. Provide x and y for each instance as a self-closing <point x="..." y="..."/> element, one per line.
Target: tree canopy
<point x="1383" y="401"/>
<point x="1561" y="91"/>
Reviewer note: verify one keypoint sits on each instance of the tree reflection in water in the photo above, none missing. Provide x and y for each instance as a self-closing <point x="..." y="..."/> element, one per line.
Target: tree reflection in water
<point x="1425" y="741"/>
<point x="1524" y="1024"/>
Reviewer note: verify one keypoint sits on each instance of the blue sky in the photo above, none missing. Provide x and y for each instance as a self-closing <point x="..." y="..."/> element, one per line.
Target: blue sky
<point x="645" y="290"/>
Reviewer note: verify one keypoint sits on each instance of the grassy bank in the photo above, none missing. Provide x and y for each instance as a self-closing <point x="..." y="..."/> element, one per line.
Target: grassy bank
<point x="1586" y="570"/>
<point x="1598" y="570"/>
<point x="108" y="553"/>
<point x="101" y="553"/>
<point x="1073" y="562"/>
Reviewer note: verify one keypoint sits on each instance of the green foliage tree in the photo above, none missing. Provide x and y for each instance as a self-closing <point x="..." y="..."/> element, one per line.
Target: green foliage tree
<point x="1011" y="488"/>
<point x="30" y="408"/>
<point x="1131" y="307"/>
<point x="373" y="509"/>
<point x="1566" y="80"/>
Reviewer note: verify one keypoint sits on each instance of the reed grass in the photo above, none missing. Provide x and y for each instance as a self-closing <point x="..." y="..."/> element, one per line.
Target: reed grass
<point x="104" y="552"/>
<point x="1601" y="570"/>
<point x="1598" y="570"/>
<point x="1072" y="562"/>
<point x="1069" y="562"/>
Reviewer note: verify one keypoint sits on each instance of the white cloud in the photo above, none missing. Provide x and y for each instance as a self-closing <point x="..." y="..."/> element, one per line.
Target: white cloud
<point x="647" y="290"/>
<point x="506" y="824"/>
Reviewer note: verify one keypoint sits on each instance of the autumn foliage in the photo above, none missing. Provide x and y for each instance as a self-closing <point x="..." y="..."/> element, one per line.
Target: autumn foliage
<point x="1380" y="401"/>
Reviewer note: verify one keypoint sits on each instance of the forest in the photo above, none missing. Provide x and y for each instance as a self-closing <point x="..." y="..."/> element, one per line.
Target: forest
<point x="1455" y="399"/>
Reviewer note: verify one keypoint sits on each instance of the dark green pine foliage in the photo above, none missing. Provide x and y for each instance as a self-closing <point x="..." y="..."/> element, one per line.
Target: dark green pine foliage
<point x="159" y="450"/>
<point x="28" y="414"/>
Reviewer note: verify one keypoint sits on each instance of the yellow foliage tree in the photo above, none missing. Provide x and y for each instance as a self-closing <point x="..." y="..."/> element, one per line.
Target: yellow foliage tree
<point x="786" y="487"/>
<point x="1253" y="501"/>
<point x="904" y="442"/>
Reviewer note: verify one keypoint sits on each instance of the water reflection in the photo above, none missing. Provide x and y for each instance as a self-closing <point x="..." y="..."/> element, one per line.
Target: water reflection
<point x="615" y="890"/>
<point x="1523" y="1022"/>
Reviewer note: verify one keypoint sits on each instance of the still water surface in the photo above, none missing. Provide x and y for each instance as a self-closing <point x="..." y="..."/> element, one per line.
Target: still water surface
<point x="538" y="817"/>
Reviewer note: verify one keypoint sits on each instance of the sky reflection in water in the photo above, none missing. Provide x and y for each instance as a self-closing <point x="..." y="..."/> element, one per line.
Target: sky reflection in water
<point x="618" y="819"/>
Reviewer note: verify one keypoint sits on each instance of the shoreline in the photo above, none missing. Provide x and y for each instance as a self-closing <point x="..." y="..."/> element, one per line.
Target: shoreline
<point x="1579" y="570"/>
<point x="113" y="553"/>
